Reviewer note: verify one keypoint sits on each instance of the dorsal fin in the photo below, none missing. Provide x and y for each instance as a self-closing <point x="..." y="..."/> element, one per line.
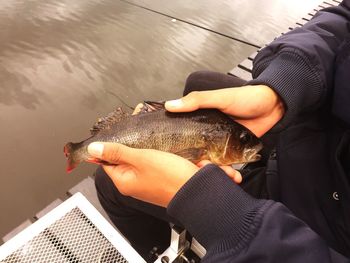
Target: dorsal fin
<point x="105" y="122"/>
<point x="150" y="106"/>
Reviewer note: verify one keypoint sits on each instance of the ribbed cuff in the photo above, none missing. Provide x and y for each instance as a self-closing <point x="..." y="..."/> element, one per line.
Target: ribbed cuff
<point x="293" y="78"/>
<point x="214" y="209"/>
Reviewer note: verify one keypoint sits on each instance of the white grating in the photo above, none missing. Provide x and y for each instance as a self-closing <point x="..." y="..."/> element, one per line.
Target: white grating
<point x="74" y="233"/>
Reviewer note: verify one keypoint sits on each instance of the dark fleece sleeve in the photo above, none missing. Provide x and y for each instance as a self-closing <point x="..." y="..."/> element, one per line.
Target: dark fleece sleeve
<point x="299" y="65"/>
<point x="234" y="227"/>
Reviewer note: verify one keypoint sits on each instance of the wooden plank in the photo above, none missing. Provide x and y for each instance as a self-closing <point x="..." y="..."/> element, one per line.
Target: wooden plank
<point x="253" y="55"/>
<point x="48" y="208"/>
<point x="312" y="13"/>
<point x="247" y="63"/>
<point x="301" y="22"/>
<point x="241" y="73"/>
<point x="16" y="230"/>
<point x="308" y="16"/>
<point x="327" y="4"/>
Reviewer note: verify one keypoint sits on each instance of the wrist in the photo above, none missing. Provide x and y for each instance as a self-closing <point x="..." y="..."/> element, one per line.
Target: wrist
<point x="277" y="105"/>
<point x="292" y="76"/>
<point x="265" y="109"/>
<point x="211" y="198"/>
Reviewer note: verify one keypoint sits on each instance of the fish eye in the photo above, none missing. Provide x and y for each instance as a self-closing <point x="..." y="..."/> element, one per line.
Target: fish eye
<point x="244" y="137"/>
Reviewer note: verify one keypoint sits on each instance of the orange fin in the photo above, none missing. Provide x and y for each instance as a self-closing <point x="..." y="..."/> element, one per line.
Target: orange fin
<point x="70" y="153"/>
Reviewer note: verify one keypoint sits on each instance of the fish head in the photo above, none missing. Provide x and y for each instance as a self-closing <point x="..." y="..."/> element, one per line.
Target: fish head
<point x="250" y="146"/>
<point x="75" y="154"/>
<point x="243" y="146"/>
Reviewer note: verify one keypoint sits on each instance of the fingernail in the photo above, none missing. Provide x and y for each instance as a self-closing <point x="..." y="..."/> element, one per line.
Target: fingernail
<point x="96" y="149"/>
<point x="174" y="103"/>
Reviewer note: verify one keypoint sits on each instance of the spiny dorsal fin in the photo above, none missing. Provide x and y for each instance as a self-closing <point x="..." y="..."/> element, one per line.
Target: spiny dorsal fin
<point x="105" y="122"/>
<point x="150" y="106"/>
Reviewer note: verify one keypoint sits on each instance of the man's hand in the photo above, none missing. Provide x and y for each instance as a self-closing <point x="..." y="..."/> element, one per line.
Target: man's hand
<point x="149" y="175"/>
<point x="257" y="107"/>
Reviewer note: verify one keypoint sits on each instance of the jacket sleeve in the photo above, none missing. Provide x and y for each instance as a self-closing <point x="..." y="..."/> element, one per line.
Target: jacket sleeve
<point x="234" y="227"/>
<point x="299" y="64"/>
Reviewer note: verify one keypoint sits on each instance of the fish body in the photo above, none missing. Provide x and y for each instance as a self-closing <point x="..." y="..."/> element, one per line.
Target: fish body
<point x="199" y="135"/>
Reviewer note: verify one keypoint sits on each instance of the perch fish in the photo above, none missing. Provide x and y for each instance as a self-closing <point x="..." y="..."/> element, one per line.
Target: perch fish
<point x="205" y="134"/>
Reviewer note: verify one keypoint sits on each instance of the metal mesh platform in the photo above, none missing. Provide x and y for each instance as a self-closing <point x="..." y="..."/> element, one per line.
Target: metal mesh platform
<point x="73" y="238"/>
<point x="72" y="232"/>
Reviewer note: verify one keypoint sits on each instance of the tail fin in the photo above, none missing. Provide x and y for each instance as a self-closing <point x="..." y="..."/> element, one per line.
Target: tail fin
<point x="70" y="150"/>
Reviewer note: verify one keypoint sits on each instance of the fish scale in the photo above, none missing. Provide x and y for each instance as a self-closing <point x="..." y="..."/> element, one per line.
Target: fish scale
<point x="202" y="134"/>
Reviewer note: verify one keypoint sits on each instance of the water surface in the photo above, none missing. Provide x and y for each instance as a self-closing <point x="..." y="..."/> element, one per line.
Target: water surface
<point x="65" y="63"/>
<point x="255" y="21"/>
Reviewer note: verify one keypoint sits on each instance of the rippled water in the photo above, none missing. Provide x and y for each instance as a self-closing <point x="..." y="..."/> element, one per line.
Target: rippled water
<point x="255" y="21"/>
<point x="64" y="63"/>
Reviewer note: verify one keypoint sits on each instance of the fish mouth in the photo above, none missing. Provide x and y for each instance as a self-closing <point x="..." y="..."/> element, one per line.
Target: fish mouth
<point x="251" y="155"/>
<point x="66" y="151"/>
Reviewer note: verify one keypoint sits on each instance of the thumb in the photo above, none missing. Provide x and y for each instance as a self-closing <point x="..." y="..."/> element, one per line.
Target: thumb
<point x="188" y="103"/>
<point x="199" y="100"/>
<point x="113" y="153"/>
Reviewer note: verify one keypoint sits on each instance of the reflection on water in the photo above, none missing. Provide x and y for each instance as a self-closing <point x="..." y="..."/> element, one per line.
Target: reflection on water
<point x="17" y="89"/>
<point x="65" y="63"/>
<point x="46" y="38"/>
<point x="255" y="21"/>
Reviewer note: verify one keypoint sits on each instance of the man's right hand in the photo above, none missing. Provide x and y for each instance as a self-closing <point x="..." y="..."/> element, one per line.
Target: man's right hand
<point x="256" y="107"/>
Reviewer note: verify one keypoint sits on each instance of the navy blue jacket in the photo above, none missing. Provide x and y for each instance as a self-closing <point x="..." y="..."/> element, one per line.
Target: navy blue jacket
<point x="307" y="216"/>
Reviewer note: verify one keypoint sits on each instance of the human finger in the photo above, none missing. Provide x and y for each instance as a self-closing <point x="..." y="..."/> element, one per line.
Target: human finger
<point x="202" y="163"/>
<point x="198" y="100"/>
<point x="137" y="109"/>
<point x="113" y="153"/>
<point x="232" y="173"/>
<point x="123" y="177"/>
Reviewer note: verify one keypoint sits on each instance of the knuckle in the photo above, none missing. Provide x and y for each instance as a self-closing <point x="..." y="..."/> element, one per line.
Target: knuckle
<point x="123" y="190"/>
<point x="193" y="97"/>
<point x="114" y="154"/>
